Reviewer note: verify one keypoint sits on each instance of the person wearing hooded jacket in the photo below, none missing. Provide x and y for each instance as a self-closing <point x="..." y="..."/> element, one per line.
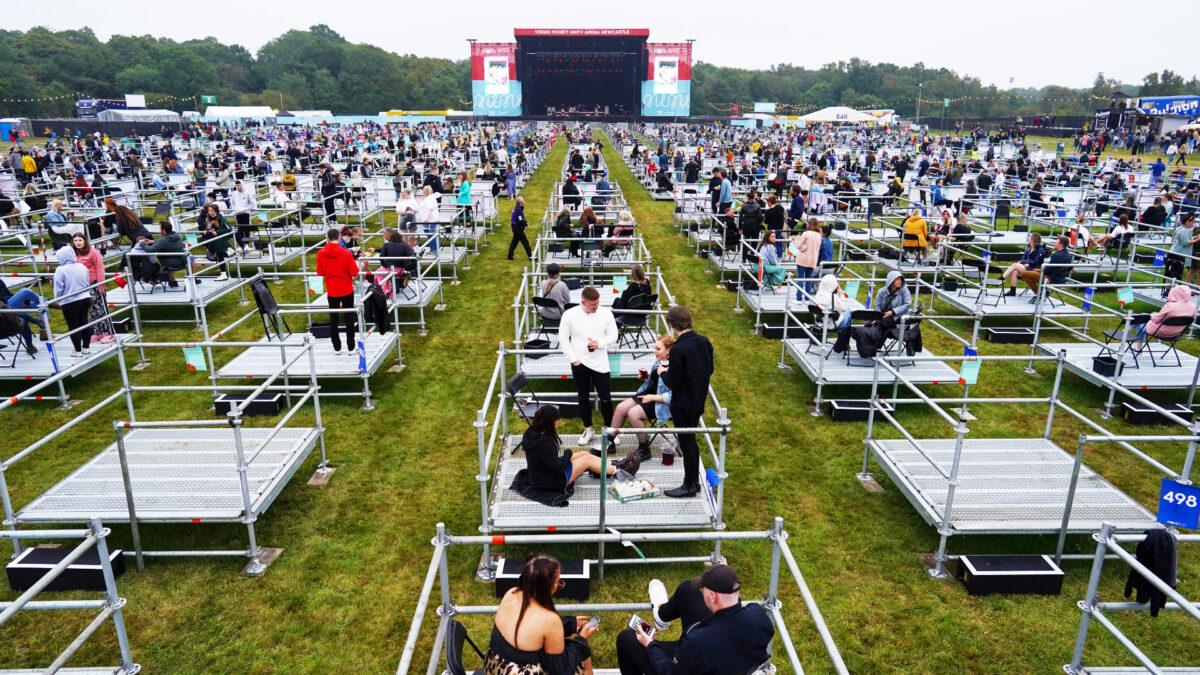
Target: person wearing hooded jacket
<point x="1179" y="303"/>
<point x="892" y="302"/>
<point x="72" y="297"/>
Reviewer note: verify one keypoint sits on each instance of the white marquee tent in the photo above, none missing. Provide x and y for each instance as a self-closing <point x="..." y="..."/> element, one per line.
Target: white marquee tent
<point x="840" y="114"/>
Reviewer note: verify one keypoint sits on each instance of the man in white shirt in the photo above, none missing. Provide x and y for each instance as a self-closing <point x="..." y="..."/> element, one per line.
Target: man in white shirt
<point x="242" y="203"/>
<point x="585" y="333"/>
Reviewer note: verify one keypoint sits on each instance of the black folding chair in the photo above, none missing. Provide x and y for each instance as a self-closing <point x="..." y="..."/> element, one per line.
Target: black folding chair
<point x="456" y="636"/>
<point x="1117" y="334"/>
<point x="546" y="327"/>
<point x="1172" y="342"/>
<point x="820" y="318"/>
<point x="915" y="248"/>
<point x="517" y="388"/>
<point x="636" y="325"/>
<point x="268" y="310"/>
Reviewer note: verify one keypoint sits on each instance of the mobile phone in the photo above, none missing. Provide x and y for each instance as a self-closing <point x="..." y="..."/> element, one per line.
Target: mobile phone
<point x="636" y="623"/>
<point x="592" y="623"/>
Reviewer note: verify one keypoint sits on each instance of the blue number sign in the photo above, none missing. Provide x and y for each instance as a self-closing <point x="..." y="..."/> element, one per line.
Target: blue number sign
<point x="1179" y="505"/>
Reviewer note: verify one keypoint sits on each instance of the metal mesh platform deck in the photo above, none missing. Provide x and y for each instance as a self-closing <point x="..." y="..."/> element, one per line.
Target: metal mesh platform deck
<point x="178" y="475"/>
<point x="511" y="512"/>
<point x="444" y="254"/>
<point x="1145" y="376"/>
<point x="188" y="293"/>
<point x="1006" y="486"/>
<point x="418" y="293"/>
<point x="618" y="260"/>
<point x="261" y="362"/>
<point x="556" y="366"/>
<point x="768" y="302"/>
<point x="273" y="256"/>
<point x="862" y="372"/>
<point x="39" y="366"/>
<point x="964" y="299"/>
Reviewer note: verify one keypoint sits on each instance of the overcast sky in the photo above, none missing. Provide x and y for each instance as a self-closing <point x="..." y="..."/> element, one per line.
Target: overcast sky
<point x="1028" y="43"/>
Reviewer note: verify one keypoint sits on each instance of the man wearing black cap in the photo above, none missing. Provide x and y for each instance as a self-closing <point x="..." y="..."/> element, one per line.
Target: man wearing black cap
<point x="732" y="641"/>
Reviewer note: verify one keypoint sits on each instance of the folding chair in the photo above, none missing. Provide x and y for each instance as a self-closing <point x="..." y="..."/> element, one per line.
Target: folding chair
<point x="1115" y="336"/>
<point x="865" y="316"/>
<point x="546" y="327"/>
<point x="10" y="360"/>
<point x="1172" y="343"/>
<point x="636" y="325"/>
<point x="515" y="387"/>
<point x="820" y="318"/>
<point x="895" y="340"/>
<point x="591" y="248"/>
<point x="456" y="636"/>
<point x="267" y="307"/>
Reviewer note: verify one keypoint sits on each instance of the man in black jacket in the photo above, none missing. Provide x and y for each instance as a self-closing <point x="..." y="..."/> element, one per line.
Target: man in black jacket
<point x="733" y="640"/>
<point x="689" y="369"/>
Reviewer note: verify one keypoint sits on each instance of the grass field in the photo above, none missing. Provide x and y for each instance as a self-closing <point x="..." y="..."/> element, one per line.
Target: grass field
<point x="341" y="597"/>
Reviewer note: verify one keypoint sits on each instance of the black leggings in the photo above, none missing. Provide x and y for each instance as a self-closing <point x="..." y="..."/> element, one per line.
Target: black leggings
<point x="585" y="379"/>
<point x="348" y="320"/>
<point x="76" y="315"/>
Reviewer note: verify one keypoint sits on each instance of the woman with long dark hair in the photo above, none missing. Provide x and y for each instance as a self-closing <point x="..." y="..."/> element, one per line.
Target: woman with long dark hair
<point x="529" y="637"/>
<point x="552" y="469"/>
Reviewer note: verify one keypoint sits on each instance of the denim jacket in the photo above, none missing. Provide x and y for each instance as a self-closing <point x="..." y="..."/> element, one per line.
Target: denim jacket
<point x="662" y="409"/>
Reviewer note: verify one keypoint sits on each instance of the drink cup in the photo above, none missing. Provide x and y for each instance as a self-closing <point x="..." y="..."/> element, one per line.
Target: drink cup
<point x="668" y="455"/>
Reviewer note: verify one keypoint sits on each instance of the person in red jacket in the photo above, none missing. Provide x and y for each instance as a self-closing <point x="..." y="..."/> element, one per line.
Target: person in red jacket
<point x="336" y="265"/>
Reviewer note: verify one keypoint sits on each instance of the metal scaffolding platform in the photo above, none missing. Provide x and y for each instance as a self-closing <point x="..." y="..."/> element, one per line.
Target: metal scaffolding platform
<point x="188" y="292"/>
<point x="1006" y="486"/>
<point x="256" y="362"/>
<point x="965" y="299"/>
<point x="176" y="475"/>
<point x="40" y="365"/>
<point x="556" y="366"/>
<point x="1145" y="376"/>
<point x="862" y="372"/>
<point x="510" y="512"/>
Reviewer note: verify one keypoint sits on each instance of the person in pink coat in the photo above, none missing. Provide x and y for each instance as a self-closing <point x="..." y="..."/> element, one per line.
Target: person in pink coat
<point x="1179" y="303"/>
<point x="89" y="256"/>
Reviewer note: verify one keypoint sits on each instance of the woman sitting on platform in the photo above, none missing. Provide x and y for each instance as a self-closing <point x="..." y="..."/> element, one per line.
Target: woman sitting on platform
<point x="543" y="647"/>
<point x="1179" y="303"/>
<point x="773" y="274"/>
<point x="637" y="285"/>
<point x="651" y="402"/>
<point x="915" y="233"/>
<point x="833" y="300"/>
<point x="1035" y="254"/>
<point x="552" y="472"/>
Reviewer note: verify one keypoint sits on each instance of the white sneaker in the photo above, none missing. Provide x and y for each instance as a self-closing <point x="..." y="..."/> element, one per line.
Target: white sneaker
<point x="222" y="277"/>
<point x="658" y="598"/>
<point x="87" y="351"/>
<point x="77" y="355"/>
<point x="586" y="437"/>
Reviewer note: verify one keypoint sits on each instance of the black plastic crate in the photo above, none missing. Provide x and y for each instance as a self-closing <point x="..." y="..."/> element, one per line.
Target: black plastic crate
<point x="1009" y="336"/>
<point x="1009" y="574"/>
<point x="265" y="404"/>
<point x="576" y="575"/>
<point x="1139" y="413"/>
<point x="85" y="574"/>
<point x="853" y="410"/>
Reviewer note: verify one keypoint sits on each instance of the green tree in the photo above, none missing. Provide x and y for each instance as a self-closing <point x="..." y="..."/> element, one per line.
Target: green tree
<point x="139" y="79"/>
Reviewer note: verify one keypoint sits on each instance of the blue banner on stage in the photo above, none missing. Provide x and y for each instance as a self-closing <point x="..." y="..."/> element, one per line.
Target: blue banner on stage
<point x="495" y="104"/>
<point x="678" y="104"/>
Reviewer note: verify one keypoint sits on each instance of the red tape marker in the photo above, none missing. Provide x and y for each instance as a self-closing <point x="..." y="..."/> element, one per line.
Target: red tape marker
<point x="14" y="400"/>
<point x="497" y="540"/>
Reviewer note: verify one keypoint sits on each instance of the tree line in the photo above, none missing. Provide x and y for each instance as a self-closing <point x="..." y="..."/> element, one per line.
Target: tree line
<point x="45" y="71"/>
